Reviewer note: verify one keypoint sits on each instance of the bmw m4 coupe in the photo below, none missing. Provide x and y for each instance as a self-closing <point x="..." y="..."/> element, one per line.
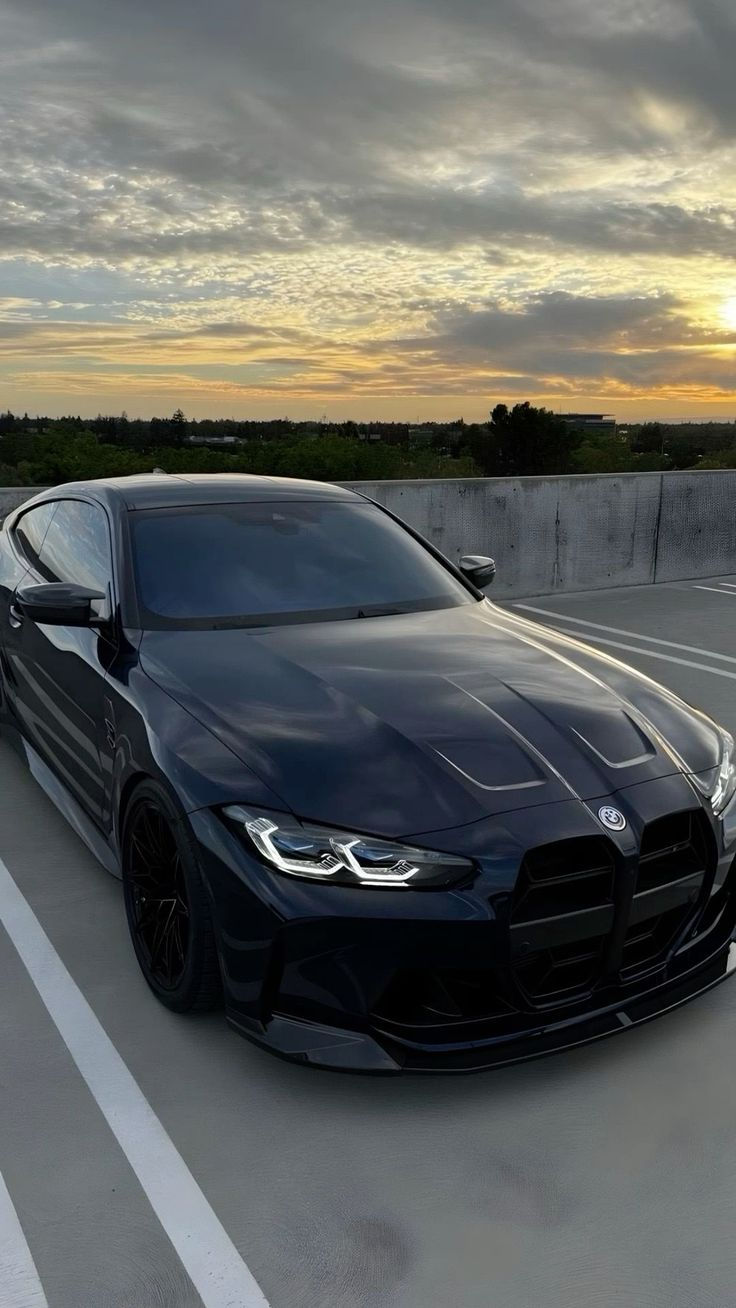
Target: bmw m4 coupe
<point x="386" y="823"/>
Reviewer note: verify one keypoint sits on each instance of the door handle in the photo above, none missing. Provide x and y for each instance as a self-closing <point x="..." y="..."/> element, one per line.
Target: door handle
<point x="15" y="617"/>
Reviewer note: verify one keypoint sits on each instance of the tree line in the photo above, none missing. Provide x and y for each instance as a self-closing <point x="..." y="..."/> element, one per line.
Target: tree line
<point x="519" y="441"/>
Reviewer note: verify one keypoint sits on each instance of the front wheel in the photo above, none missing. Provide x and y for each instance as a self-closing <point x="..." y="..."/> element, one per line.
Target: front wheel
<point x="166" y="903"/>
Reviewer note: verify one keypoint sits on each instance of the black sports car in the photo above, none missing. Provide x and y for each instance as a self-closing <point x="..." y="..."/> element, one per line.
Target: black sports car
<point x="393" y="825"/>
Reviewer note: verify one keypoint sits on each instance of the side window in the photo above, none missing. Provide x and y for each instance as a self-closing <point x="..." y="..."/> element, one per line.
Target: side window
<point x="77" y="546"/>
<point x="30" y="529"/>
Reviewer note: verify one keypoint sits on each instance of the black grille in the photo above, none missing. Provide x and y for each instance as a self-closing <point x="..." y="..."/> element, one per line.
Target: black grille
<point x="575" y="924"/>
<point x="673" y="847"/>
<point x="674" y="861"/>
<point x="557" y="973"/>
<point x="645" y="944"/>
<point x="434" y="998"/>
<point x="566" y="877"/>
<point x="561" y="916"/>
<point x="585" y="921"/>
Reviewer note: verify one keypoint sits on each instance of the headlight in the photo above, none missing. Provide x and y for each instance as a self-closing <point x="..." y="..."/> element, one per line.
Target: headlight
<point x="324" y="854"/>
<point x="725" y="786"/>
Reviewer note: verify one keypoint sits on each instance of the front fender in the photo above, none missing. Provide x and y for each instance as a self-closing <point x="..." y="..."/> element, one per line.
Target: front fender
<point x="155" y="737"/>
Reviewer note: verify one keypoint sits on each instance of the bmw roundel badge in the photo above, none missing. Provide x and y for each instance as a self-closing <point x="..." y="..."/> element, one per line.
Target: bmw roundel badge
<point x="611" y="818"/>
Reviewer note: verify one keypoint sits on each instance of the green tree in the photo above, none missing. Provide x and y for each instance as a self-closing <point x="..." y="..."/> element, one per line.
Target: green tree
<point x="603" y="454"/>
<point x="719" y="459"/>
<point x="524" y="441"/>
<point x="649" y="439"/>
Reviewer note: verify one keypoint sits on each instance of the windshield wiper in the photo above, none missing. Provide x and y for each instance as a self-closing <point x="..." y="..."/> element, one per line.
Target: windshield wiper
<point x="376" y="611"/>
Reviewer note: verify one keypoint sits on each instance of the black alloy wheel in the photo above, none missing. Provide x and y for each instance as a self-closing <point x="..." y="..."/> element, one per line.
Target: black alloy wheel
<point x="160" y="904"/>
<point x="166" y="903"/>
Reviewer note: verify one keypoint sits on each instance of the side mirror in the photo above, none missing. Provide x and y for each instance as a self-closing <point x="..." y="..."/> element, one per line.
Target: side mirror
<point x="478" y="569"/>
<point x="58" y="604"/>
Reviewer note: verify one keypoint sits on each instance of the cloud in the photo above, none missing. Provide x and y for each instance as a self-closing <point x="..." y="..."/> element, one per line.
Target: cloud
<point x="445" y="220"/>
<point x="12" y="306"/>
<point x="553" y="345"/>
<point x="569" y="321"/>
<point x="414" y="193"/>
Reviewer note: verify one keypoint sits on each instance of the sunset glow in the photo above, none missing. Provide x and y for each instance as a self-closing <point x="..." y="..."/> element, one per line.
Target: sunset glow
<point x="402" y="209"/>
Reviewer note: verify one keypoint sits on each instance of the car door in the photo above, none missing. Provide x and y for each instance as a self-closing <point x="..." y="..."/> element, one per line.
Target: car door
<point x="60" y="671"/>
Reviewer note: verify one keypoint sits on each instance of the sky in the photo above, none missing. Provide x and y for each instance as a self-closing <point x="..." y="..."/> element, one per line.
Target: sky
<point x="408" y="209"/>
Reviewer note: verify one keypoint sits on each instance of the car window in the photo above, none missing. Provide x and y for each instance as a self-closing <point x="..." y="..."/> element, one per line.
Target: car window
<point x="77" y="546"/>
<point x="31" y="528"/>
<point x="290" y="561"/>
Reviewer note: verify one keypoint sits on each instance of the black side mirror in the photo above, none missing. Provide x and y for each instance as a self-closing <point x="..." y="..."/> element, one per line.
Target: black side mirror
<point x="478" y="569"/>
<point x="58" y="604"/>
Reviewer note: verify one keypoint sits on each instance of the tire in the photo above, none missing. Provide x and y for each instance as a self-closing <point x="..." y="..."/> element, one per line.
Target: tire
<point x="166" y="903"/>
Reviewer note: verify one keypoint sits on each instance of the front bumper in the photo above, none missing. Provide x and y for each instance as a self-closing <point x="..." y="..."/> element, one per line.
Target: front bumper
<point x="381" y="1052"/>
<point x="520" y="963"/>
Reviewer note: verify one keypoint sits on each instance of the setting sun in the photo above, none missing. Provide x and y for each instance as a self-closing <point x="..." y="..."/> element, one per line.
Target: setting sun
<point x="728" y="312"/>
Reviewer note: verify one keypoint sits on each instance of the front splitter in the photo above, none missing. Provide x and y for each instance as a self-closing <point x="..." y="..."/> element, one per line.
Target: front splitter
<point x="338" y="1049"/>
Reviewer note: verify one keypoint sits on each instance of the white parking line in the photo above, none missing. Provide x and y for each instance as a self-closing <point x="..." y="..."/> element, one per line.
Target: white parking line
<point x="20" y="1284"/>
<point x="637" y="649"/>
<point x="218" y="1272"/>
<point x="715" y="590"/>
<point x="635" y="635"/>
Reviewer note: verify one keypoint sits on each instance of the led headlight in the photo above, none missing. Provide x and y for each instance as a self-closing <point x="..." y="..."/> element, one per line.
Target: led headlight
<point x="325" y="854"/>
<point x="725" y="784"/>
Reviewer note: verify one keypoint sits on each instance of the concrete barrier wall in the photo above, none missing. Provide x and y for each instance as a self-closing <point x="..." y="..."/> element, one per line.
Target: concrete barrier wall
<point x="566" y="533"/>
<point x="577" y="533"/>
<point x="545" y="533"/>
<point x="697" y="535"/>
<point x="12" y="496"/>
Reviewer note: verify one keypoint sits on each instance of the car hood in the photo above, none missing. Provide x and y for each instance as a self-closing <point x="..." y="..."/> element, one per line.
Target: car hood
<point x="408" y="723"/>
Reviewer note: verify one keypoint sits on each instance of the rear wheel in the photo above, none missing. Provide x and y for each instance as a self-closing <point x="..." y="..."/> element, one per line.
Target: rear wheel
<point x="166" y="903"/>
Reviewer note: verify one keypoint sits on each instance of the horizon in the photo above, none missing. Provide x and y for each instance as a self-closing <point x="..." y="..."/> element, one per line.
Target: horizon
<point x="317" y="419"/>
<point x="406" y="212"/>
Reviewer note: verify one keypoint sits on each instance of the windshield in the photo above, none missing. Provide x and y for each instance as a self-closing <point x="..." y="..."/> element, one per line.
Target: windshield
<point x="274" y="562"/>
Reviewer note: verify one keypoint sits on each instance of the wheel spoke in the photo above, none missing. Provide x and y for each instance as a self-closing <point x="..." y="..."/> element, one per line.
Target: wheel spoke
<point x="153" y="911"/>
<point x="177" y="934"/>
<point x="159" y="897"/>
<point x="144" y="878"/>
<point x="144" y="853"/>
<point x="150" y="916"/>
<point x="160" y="938"/>
<point x="168" y="938"/>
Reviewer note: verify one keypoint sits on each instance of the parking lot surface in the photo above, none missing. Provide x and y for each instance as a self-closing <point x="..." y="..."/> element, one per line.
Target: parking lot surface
<point x="144" y="1155"/>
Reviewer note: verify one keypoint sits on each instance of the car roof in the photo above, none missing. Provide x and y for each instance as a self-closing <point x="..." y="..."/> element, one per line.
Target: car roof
<point x="159" y="490"/>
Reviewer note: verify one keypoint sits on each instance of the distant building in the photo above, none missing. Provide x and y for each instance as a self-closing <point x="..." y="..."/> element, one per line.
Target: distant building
<point x="213" y="440"/>
<point x="603" y="423"/>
